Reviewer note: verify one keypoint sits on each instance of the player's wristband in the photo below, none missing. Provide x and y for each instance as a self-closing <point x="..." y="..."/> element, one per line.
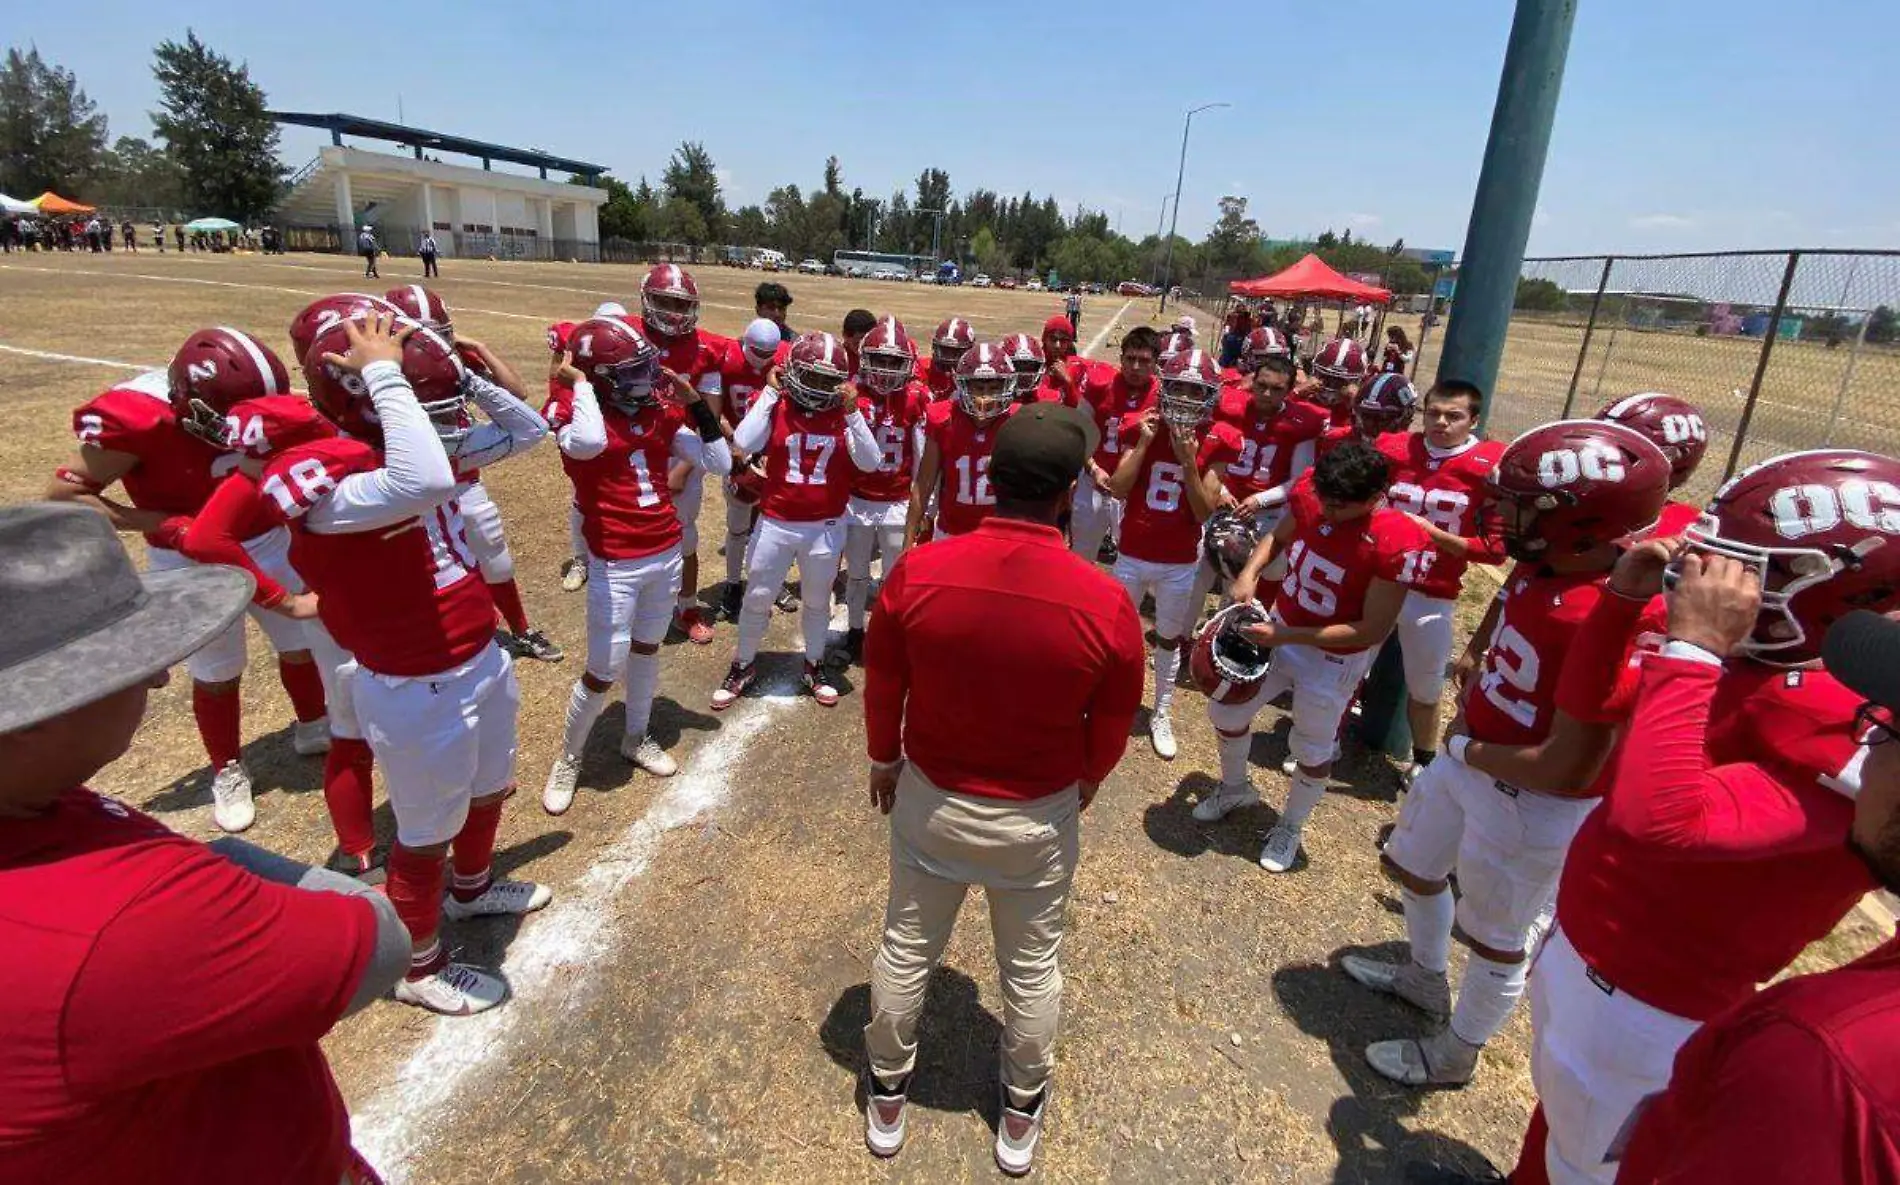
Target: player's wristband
<point x="704" y="420"/>
<point x="1457" y="746"/>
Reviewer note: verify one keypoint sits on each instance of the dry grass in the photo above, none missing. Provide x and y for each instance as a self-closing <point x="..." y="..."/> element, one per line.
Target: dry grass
<point x="720" y="1036"/>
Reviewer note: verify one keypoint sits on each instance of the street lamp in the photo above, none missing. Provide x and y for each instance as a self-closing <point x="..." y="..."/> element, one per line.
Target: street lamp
<point x="1160" y="219"/>
<point x="1179" y="173"/>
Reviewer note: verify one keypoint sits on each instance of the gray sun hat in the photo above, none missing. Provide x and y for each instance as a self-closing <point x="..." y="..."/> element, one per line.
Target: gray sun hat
<point x="82" y="623"/>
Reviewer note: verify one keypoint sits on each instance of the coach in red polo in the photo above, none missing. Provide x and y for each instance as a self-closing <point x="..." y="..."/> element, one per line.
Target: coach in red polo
<point x="1002" y="673"/>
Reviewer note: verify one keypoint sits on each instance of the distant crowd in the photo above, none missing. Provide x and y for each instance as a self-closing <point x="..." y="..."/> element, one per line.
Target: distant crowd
<point x="96" y="234"/>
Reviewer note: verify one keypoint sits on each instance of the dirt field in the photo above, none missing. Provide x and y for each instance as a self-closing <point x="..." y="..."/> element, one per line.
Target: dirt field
<point x="690" y="1006"/>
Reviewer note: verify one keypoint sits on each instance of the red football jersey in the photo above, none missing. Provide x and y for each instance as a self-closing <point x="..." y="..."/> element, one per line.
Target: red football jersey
<point x="1677" y="517"/>
<point x="1158" y="524"/>
<point x="1689" y="905"/>
<point x="808" y="470"/>
<point x="1448" y="490"/>
<point x="1514" y="698"/>
<point x="1267" y="444"/>
<point x="1331" y="566"/>
<point x="406" y="600"/>
<point x="1057" y="387"/>
<point x="626" y="508"/>
<point x="739" y="384"/>
<point x="894" y="421"/>
<point x="964" y="497"/>
<point x="1110" y="397"/>
<point x="941" y="384"/>
<point x="700" y="356"/>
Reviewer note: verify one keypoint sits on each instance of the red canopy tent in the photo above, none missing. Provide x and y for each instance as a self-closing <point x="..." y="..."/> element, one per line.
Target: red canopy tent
<point x="1309" y="278"/>
<point x="51" y="203"/>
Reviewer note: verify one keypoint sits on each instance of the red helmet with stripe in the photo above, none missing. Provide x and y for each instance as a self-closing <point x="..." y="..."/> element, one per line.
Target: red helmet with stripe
<point x="1568" y="487"/>
<point x="669" y="301"/>
<point x="324" y="312"/>
<point x="747" y="484"/>
<point x="1342" y="359"/>
<point x="1386" y="403"/>
<point x="816" y="372"/>
<point x="1175" y="343"/>
<point x="1190" y="386"/>
<point x="953" y="337"/>
<point x="986" y="382"/>
<point x="215" y="370"/>
<point x="1674" y="424"/>
<point x="423" y="307"/>
<point x="1266" y="341"/>
<point x="1225" y="663"/>
<point x="621" y="365"/>
<point x="1821" y="529"/>
<point x="887" y="358"/>
<point x="1027" y="359"/>
<point x="429" y="363"/>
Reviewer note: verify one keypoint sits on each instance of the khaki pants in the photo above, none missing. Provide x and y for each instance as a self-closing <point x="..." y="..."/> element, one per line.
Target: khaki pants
<point x="1024" y="855"/>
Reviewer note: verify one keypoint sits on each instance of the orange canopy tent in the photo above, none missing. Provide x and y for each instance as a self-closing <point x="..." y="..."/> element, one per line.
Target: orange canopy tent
<point x="1308" y="278"/>
<point x="51" y="203"/>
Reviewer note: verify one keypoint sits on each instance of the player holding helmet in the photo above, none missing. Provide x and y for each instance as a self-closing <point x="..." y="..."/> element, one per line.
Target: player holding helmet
<point x="1169" y="478"/>
<point x="894" y="404"/>
<point x="747" y="370"/>
<point x="959" y="435"/>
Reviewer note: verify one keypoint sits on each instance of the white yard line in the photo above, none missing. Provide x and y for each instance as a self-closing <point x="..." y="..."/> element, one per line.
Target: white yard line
<point x="549" y="964"/>
<point x="1101" y="335"/>
<point x="80" y="358"/>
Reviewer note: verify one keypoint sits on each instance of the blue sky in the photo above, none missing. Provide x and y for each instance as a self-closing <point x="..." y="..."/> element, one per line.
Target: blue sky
<point x="1683" y="126"/>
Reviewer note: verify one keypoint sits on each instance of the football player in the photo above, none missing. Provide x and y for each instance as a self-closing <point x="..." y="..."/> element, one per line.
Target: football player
<point x="811" y="438"/>
<point x="1032" y="368"/>
<point x="1679" y="430"/>
<point x="1278" y="438"/>
<point x="1688" y="887"/>
<point x="1441" y="477"/>
<point x="479" y="512"/>
<point x="894" y="403"/>
<point x="1519" y="770"/>
<point x="376" y="532"/>
<point x="947" y="346"/>
<point x="954" y="470"/>
<point x="746" y="372"/>
<point x="1111" y="396"/>
<point x="669" y="318"/>
<point x="1262" y="342"/>
<point x="1169" y="478"/>
<point x="574" y="567"/>
<point x="857" y="323"/>
<point x="617" y="447"/>
<point x="1349" y="562"/>
<point x="164" y="437"/>
<point x="1339" y="366"/>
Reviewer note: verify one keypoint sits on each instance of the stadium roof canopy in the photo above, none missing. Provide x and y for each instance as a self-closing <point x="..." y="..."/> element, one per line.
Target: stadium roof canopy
<point x="340" y="125"/>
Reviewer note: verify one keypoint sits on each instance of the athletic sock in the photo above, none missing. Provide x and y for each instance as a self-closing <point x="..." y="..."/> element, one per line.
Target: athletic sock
<point x="413" y="883"/>
<point x="1305" y="794"/>
<point x="1428" y="919"/>
<point x="584" y="706"/>
<point x="1233" y="758"/>
<point x="218" y="719"/>
<point x="643" y="679"/>
<point x="473" y="850"/>
<point x="1167" y="664"/>
<point x="1485" y="998"/>
<point x="508" y="600"/>
<point x="305" y="686"/>
<point x="735" y="555"/>
<point x="348" y="792"/>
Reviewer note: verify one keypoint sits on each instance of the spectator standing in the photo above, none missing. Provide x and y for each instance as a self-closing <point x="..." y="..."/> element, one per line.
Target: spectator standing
<point x="1072" y="308"/>
<point x="427" y="249"/>
<point x="92" y="235"/>
<point x="178" y="236"/>
<point x="238" y="960"/>
<point x="158" y="236"/>
<point x="1006" y="611"/>
<point x="1399" y="352"/>
<point x="129" y="235"/>
<point x="366" y="247"/>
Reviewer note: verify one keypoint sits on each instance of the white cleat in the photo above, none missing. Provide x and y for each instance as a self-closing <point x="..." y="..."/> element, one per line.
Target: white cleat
<point x="1427" y="991"/>
<point x="644" y="752"/>
<point x="1281" y="849"/>
<point x="1161" y="735"/>
<point x="1439" y="1060"/>
<point x="573" y="574"/>
<point x="311" y="737"/>
<point x="231" y="805"/>
<point x="456" y="990"/>
<point x="501" y="897"/>
<point x="558" y="794"/>
<point x="1224" y="801"/>
<point x="1289" y="767"/>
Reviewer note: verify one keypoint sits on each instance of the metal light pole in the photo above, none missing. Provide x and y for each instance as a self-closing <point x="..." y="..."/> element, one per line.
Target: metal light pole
<point x="936" y="231"/>
<point x="1167" y="269"/>
<point x="1160" y="220"/>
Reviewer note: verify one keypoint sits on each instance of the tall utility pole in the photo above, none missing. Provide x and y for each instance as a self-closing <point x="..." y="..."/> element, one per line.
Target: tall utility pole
<point x="1507" y="192"/>
<point x="1167" y="269"/>
<point x="1161" y="220"/>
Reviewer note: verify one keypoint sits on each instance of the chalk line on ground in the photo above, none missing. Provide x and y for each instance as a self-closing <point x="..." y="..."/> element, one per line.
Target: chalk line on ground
<point x="80" y="358"/>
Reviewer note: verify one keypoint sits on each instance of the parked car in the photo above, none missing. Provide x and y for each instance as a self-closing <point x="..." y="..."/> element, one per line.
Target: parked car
<point x="1033" y="286"/>
<point x="1133" y="288"/>
<point x="982" y="281"/>
<point x="926" y="277"/>
<point x="811" y="267"/>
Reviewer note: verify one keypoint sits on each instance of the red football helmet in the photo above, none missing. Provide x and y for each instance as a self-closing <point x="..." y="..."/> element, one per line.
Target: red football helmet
<point x="1266" y="341"/>
<point x="1568" y="487"/>
<point x="887" y="358"/>
<point x="953" y="337"/>
<point x="621" y="365"/>
<point x="321" y="314"/>
<point x="1174" y="344"/>
<point x="423" y="307"/>
<point x="215" y="370"/>
<point x="1822" y="531"/>
<point x="986" y="382"/>
<point x="1190" y="386"/>
<point x="1026" y="356"/>
<point x="1674" y="424"/>
<point x="816" y="372"/>
<point x="1342" y="359"/>
<point x="560" y="336"/>
<point x="746" y="486"/>
<point x="1225" y="663"/>
<point x="429" y="363"/>
<point x="1386" y="404"/>
<point x="1228" y="541"/>
<point x="669" y="301"/>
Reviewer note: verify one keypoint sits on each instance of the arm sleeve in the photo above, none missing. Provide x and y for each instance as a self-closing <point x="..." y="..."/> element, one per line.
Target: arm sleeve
<point x="1597" y="680"/>
<point x="1111" y="712"/>
<point x="416" y="475"/>
<point x="886" y="672"/>
<point x="513" y="426"/>
<point x="584" y="436"/>
<point x="861" y="442"/>
<point x="1668" y="797"/>
<point x="222" y="964"/>
<point x="214" y="536"/>
<point x="714" y="457"/>
<point x="755" y="430"/>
